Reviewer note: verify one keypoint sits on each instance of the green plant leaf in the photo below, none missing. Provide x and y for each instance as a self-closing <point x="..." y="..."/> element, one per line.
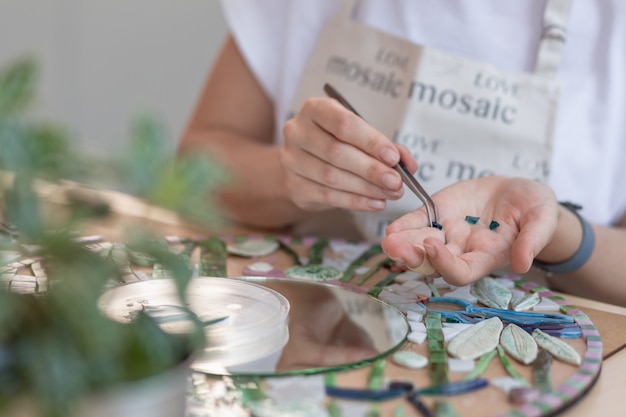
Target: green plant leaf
<point x="18" y="83"/>
<point x="58" y="347"/>
<point x="153" y="172"/>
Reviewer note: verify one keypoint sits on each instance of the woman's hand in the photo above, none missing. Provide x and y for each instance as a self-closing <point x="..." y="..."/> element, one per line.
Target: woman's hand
<point x="526" y="211"/>
<point x="334" y="159"/>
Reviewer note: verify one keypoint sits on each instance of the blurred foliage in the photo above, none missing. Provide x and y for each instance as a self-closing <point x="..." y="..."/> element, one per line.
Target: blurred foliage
<point x="57" y="347"/>
<point x="182" y="184"/>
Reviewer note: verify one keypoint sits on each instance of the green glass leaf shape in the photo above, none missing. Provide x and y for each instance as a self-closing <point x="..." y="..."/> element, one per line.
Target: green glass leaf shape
<point x="519" y="344"/>
<point x="558" y="348"/>
<point x="477" y="340"/>
<point x="491" y="293"/>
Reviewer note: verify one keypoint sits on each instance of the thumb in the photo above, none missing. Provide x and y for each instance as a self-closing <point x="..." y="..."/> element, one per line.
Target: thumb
<point x="535" y="233"/>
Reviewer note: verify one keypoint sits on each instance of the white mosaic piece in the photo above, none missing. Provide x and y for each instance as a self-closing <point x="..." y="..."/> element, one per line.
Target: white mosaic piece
<point x="409" y="359"/>
<point x="440" y="283"/>
<point x="546" y="304"/>
<point x="451" y="330"/>
<point x="413" y="316"/>
<point x="268" y="408"/>
<point x="507" y="383"/>
<point x="416" y="287"/>
<point x="526" y="302"/>
<point x="516" y="294"/>
<point x="297" y="388"/>
<point x="416" y="337"/>
<point x="464" y="293"/>
<point x="418" y="332"/>
<point x="253" y="247"/>
<point x="260" y="267"/>
<point x="461" y="365"/>
<point x="407" y="276"/>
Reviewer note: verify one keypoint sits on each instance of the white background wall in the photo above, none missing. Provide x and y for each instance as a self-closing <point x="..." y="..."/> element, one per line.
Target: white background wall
<point x="106" y="61"/>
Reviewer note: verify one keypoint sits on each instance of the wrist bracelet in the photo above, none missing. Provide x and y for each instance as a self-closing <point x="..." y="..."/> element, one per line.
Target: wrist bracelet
<point x="583" y="253"/>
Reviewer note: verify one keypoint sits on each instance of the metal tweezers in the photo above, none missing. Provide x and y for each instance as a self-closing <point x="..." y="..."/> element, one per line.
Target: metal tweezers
<point x="407" y="178"/>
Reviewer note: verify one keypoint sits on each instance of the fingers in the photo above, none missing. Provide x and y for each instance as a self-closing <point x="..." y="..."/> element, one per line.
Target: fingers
<point x="461" y="264"/>
<point x="406" y="246"/>
<point x="403" y="253"/>
<point x="332" y="147"/>
<point x="407" y="158"/>
<point x="414" y="220"/>
<point x="312" y="196"/>
<point x="425" y="268"/>
<point x="351" y="129"/>
<point x="536" y="231"/>
<point x="458" y="270"/>
<point x="312" y="181"/>
<point x="526" y="210"/>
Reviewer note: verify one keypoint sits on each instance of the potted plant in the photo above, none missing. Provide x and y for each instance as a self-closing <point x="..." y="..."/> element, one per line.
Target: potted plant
<point x="59" y="354"/>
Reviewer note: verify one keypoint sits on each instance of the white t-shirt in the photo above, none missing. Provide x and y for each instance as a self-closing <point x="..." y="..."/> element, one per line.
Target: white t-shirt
<point x="589" y="158"/>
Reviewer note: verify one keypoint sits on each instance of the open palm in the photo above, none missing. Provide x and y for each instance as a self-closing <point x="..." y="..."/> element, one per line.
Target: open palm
<point x="525" y="210"/>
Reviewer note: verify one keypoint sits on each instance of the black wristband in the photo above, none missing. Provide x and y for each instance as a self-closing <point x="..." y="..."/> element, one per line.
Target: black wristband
<point x="583" y="253"/>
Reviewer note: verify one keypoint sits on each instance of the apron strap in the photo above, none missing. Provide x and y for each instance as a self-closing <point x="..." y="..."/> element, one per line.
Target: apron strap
<point x="555" y="17"/>
<point x="347" y="10"/>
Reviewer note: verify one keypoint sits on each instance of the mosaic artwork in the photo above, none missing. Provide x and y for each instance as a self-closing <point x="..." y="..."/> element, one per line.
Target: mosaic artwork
<point x="502" y="341"/>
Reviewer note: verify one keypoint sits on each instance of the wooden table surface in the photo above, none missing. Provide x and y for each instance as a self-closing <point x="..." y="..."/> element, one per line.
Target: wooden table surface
<point x="605" y="398"/>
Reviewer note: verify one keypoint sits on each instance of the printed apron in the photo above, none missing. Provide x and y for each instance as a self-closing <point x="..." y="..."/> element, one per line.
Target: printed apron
<point x="460" y="118"/>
